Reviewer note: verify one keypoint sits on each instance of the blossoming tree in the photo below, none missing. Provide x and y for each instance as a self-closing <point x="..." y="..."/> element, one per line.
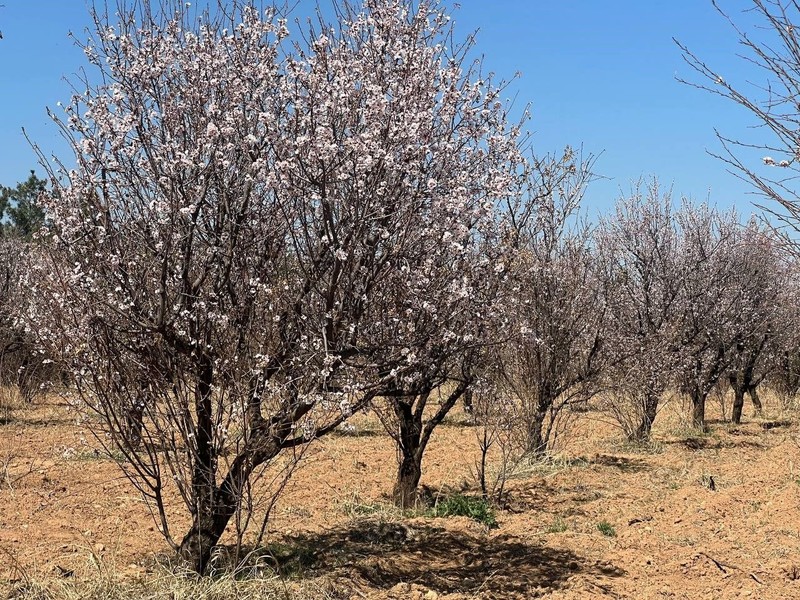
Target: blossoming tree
<point x="261" y="235"/>
<point x="552" y="357"/>
<point x="642" y="283"/>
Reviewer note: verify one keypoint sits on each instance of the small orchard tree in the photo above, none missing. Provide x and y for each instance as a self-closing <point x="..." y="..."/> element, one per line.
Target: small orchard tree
<point x="783" y="376"/>
<point x="428" y="331"/>
<point x="768" y="158"/>
<point x="712" y="295"/>
<point x="259" y="239"/>
<point x="446" y="345"/>
<point x="443" y="348"/>
<point x="495" y="415"/>
<point x="641" y="277"/>
<point x="756" y="324"/>
<point x="554" y="309"/>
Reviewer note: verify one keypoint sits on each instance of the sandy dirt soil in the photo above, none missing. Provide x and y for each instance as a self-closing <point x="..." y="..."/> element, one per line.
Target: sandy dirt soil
<point x="65" y="508"/>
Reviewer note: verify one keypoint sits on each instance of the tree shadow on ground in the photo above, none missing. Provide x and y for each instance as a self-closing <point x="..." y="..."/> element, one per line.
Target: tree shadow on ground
<point x="713" y="443"/>
<point x="540" y="495"/>
<point x="622" y="463"/>
<point x="356" y="433"/>
<point x="381" y="555"/>
<point x="778" y="424"/>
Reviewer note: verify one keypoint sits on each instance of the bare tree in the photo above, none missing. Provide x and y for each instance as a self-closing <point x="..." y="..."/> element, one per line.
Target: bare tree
<point x="496" y="432"/>
<point x="242" y="253"/>
<point x="771" y="47"/>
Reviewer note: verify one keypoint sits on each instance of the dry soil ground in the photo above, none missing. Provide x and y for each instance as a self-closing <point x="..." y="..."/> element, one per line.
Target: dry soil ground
<point x="67" y="514"/>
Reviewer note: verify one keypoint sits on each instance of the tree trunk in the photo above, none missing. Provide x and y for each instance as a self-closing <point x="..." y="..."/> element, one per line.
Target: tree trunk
<point x="215" y="505"/>
<point x="412" y="439"/>
<point x="757" y="406"/>
<point x="207" y="528"/>
<point x="409" y="445"/>
<point x="699" y="410"/>
<point x="649" y="411"/>
<point x="207" y="513"/>
<point x="134" y="416"/>
<point x="468" y="401"/>
<point x="134" y="425"/>
<point x="738" y="403"/>
<point x="536" y="444"/>
<point x="215" y="510"/>
<point x="408" y="476"/>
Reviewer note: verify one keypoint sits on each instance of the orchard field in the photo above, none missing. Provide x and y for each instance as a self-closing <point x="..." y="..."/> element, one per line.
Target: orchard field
<point x="306" y="315"/>
<point x="71" y="527"/>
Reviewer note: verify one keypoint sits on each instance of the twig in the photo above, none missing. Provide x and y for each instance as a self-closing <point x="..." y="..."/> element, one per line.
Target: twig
<point x="720" y="565"/>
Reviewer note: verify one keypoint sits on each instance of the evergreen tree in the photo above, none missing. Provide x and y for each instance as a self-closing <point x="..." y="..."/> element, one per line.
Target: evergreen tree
<point x="19" y="208"/>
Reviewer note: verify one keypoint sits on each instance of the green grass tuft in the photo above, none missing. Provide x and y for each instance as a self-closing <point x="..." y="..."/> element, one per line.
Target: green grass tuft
<point x="557" y="526"/>
<point x="607" y="529"/>
<point x="459" y="505"/>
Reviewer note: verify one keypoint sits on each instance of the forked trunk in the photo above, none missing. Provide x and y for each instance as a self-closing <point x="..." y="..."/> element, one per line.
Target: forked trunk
<point x="215" y="505"/>
<point x="214" y="510"/>
<point x="410" y="449"/>
<point x="742" y="382"/>
<point x="706" y="378"/>
<point x="412" y="439"/>
<point x="207" y="528"/>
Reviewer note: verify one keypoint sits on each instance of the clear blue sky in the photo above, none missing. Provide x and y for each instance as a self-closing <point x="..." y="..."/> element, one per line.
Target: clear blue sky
<point x="600" y="74"/>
